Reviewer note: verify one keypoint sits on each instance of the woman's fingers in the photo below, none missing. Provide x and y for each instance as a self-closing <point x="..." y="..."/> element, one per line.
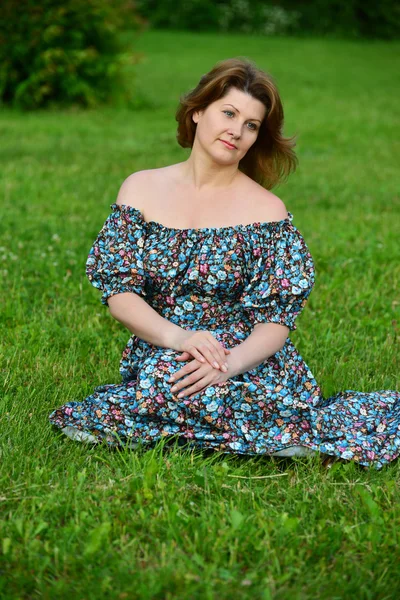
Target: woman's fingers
<point x="213" y="357"/>
<point x="203" y="346"/>
<point x="196" y="354"/>
<point x="191" y="388"/>
<point x="184" y="356"/>
<point x="178" y="375"/>
<point x="182" y="383"/>
<point x="190" y="374"/>
<point x="206" y="350"/>
<point x="219" y="354"/>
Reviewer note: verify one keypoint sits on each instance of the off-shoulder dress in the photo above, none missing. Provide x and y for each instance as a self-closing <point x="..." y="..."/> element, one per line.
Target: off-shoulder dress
<point x="225" y="280"/>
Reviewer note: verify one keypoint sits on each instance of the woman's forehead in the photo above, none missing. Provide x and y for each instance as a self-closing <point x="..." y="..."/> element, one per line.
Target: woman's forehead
<point x="243" y="102"/>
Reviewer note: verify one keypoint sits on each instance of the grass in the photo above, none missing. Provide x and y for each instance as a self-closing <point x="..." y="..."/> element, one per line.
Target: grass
<point x="92" y="522"/>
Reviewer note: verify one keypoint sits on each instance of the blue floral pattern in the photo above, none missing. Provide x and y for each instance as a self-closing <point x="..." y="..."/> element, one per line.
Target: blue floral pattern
<point x="225" y="280"/>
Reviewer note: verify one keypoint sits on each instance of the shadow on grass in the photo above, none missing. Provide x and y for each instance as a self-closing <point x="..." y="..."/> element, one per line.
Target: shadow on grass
<point x="174" y="443"/>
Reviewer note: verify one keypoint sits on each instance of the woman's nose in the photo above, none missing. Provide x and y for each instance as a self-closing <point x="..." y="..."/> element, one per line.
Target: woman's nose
<point x="234" y="133"/>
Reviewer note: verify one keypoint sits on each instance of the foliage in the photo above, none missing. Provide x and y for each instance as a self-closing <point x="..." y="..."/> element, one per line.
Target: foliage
<point x="55" y="52"/>
<point x="348" y="18"/>
<point x="194" y="15"/>
<point x="207" y="15"/>
<point x="249" y="17"/>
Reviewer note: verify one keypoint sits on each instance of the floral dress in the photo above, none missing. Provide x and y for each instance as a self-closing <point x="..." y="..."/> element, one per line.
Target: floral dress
<point x="224" y="280"/>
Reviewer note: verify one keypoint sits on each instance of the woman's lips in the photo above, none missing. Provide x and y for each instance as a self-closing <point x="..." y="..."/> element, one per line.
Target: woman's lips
<point x="228" y="145"/>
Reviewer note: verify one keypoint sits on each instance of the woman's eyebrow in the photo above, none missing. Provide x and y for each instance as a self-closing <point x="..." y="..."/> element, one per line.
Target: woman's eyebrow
<point x="239" y="111"/>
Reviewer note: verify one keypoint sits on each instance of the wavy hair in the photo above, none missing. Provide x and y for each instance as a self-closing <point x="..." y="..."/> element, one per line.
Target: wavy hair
<point x="271" y="158"/>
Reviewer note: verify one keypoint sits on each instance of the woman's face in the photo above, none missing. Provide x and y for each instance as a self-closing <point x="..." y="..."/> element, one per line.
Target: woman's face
<point x="236" y="119"/>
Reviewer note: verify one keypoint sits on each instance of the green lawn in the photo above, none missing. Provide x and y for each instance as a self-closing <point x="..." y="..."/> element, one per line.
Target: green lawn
<point x="91" y="522"/>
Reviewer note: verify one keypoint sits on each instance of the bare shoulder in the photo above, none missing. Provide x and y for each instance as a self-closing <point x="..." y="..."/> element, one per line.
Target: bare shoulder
<point x="274" y="207"/>
<point x="266" y="205"/>
<point x="133" y="189"/>
<point x="142" y="189"/>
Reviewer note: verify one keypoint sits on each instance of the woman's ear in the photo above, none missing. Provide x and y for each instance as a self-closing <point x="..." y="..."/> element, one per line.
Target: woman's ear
<point x="196" y="115"/>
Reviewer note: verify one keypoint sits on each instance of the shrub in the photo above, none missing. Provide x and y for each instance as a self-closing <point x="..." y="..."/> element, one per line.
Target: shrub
<point x="63" y="52"/>
<point x="256" y="17"/>
<point x="193" y="15"/>
<point x="345" y="18"/>
<point x="246" y="16"/>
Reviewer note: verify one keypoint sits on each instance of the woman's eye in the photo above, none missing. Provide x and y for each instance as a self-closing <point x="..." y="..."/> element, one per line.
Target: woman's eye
<point x="253" y="125"/>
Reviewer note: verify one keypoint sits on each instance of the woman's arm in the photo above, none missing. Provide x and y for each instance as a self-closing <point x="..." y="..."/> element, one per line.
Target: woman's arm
<point x="146" y="323"/>
<point x="264" y="341"/>
<point x="143" y="321"/>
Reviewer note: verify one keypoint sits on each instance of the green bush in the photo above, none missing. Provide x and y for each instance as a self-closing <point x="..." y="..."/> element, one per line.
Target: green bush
<point x="348" y="18"/>
<point x="345" y="18"/>
<point x="62" y="52"/>
<point x="380" y="19"/>
<point x="194" y="15"/>
<point x="247" y="16"/>
<point x="256" y="17"/>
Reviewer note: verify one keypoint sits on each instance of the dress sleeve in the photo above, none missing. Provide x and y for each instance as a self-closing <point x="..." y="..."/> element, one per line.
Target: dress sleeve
<point x="115" y="261"/>
<point x="282" y="276"/>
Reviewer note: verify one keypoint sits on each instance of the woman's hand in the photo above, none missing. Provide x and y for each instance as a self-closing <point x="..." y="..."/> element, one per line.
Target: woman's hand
<point x="203" y="346"/>
<point x="195" y="377"/>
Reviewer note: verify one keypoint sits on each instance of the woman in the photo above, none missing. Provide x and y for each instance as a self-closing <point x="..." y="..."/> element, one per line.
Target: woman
<point x="204" y="266"/>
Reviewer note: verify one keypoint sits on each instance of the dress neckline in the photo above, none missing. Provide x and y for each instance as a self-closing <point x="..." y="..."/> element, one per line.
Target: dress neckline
<point x="239" y="227"/>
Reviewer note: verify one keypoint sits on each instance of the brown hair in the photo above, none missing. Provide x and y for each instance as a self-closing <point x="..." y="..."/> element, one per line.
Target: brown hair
<point x="271" y="158"/>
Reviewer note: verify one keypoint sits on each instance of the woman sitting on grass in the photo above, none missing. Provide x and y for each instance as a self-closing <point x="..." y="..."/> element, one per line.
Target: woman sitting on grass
<point x="205" y="267"/>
